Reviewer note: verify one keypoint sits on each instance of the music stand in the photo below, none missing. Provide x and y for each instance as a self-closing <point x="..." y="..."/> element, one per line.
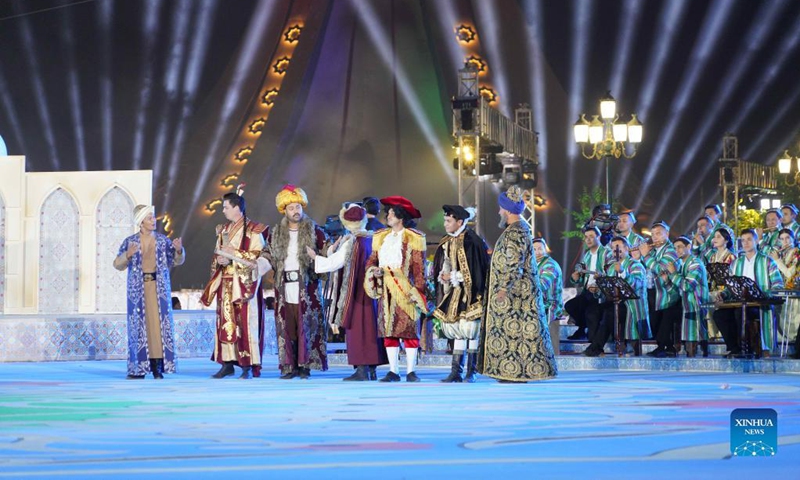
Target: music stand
<point x="617" y="290"/>
<point x="745" y="291"/>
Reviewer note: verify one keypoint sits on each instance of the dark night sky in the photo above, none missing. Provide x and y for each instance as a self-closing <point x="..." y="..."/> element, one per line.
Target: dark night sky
<point x="364" y="107"/>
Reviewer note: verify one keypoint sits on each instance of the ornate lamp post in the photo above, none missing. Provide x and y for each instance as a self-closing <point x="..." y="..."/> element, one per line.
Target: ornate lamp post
<point x="608" y="136"/>
<point x="785" y="167"/>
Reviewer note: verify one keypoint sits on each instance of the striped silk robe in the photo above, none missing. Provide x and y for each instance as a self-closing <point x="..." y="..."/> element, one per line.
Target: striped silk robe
<point x="794" y="226"/>
<point x="634" y="239"/>
<point x="604" y="259"/>
<point x="636" y="324"/>
<point x="768" y="242"/>
<point x="692" y="281"/>
<point x="552" y="286"/>
<point x="768" y="277"/>
<point x="656" y="262"/>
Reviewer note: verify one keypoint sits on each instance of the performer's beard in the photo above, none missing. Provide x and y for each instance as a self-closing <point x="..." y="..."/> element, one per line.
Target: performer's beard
<point x="503" y="222"/>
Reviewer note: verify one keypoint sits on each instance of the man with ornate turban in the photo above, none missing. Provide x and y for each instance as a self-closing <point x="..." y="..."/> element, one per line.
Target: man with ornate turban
<point x="351" y="308"/>
<point x="149" y="256"/>
<point x="236" y="287"/>
<point x="396" y="278"/>
<point x="516" y="343"/>
<point x="460" y="267"/>
<point x="299" y="320"/>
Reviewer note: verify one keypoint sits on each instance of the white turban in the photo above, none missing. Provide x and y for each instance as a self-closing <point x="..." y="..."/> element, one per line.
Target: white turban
<point x="140" y="212"/>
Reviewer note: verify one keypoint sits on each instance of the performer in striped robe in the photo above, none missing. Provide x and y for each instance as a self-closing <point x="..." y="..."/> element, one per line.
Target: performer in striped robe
<point x="769" y="235"/>
<point x="723" y="319"/>
<point x="764" y="271"/>
<point x="789" y="219"/>
<point x="667" y="312"/>
<point x="585" y="306"/>
<point x="625" y="229"/>
<point x="713" y="212"/>
<point x="692" y="281"/>
<point x="701" y="241"/>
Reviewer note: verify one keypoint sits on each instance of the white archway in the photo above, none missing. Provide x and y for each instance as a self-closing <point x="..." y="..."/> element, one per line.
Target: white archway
<point x="59" y="249"/>
<point x="114" y="222"/>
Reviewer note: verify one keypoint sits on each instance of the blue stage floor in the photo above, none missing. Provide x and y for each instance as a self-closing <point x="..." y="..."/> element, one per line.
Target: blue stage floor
<point x="83" y="420"/>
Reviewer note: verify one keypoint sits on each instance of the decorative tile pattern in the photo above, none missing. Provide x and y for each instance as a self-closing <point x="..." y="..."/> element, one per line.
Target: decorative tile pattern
<point x="2" y="253"/>
<point x="59" y="254"/>
<point x="114" y="224"/>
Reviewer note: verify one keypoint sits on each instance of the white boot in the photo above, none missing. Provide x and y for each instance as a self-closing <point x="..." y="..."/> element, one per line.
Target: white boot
<point x="411" y="362"/>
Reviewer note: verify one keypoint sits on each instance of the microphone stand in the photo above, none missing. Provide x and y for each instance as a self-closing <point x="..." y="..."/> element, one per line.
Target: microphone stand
<point x="618" y="342"/>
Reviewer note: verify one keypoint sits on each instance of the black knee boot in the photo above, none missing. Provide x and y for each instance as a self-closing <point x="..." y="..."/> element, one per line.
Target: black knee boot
<point x="360" y="375"/>
<point x="472" y="367"/>
<point x="155" y="367"/>
<point x="225" y="371"/>
<point x="293" y="371"/>
<point x="455" y="369"/>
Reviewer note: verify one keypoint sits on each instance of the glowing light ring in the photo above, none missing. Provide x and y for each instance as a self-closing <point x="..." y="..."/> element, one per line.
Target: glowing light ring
<point x="293" y="34"/>
<point x="476" y="62"/>
<point x="269" y="97"/>
<point x="257" y="125"/>
<point x="281" y="65"/>
<point x="488" y="94"/>
<point x="465" y="33"/>
<point x="211" y="206"/>
<point x="243" y="154"/>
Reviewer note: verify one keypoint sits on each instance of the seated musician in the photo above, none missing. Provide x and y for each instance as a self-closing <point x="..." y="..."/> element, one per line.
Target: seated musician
<point x="769" y="236"/>
<point x="585" y="305"/>
<point x="786" y="256"/>
<point x="764" y="272"/>
<point x="723" y="252"/>
<point x="632" y="313"/>
<point x="691" y="278"/>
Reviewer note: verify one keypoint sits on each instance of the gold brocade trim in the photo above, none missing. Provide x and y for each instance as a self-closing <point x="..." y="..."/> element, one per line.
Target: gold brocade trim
<point x="474" y="312"/>
<point x="404" y="295"/>
<point x="228" y="327"/>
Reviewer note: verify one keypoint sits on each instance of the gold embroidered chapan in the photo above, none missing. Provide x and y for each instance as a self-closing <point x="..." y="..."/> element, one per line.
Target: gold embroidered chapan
<point x="516" y="344"/>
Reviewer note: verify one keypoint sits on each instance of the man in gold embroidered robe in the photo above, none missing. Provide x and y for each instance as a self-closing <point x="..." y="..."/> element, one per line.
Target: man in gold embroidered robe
<point x="516" y="343"/>
<point x="235" y="284"/>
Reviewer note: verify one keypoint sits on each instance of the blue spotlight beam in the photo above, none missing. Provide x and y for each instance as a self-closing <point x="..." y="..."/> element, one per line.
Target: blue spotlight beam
<point x="172" y="81"/>
<point x="580" y="48"/>
<point x="447" y="19"/>
<point x="754" y="40"/>
<point x="31" y="58"/>
<point x="713" y="26"/>
<point x="105" y="12"/>
<point x="490" y="31"/>
<point x="248" y="54"/>
<point x="790" y="43"/>
<point x="73" y="87"/>
<point x="367" y="16"/>
<point x="669" y="23"/>
<point x="197" y="57"/>
<point x="150" y="30"/>
<point x="11" y="111"/>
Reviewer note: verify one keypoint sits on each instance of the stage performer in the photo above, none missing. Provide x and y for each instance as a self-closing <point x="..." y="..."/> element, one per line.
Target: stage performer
<point x="724" y="320"/>
<point x="396" y="278"/>
<point x="769" y="235"/>
<point x="460" y="267"/>
<point x="692" y="282"/>
<point x="515" y="344"/>
<point x="789" y="219"/>
<point x="299" y="319"/>
<point x="625" y="225"/>
<point x="149" y="257"/>
<point x="373" y="207"/>
<point x="585" y="307"/>
<point x="352" y="309"/>
<point x="235" y="285"/>
<point x="552" y="287"/>
<point x="702" y="238"/>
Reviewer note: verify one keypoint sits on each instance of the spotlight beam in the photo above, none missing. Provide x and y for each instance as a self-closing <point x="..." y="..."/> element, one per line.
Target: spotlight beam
<point x="670" y="20"/>
<point x="73" y="87"/>
<point x="31" y="59"/>
<point x="447" y="18"/>
<point x="248" y="54"/>
<point x="105" y="14"/>
<point x="150" y="30"/>
<point x="8" y="105"/>
<point x="380" y="39"/>
<point x="487" y="13"/>
<point x="197" y="57"/>
<point x="789" y="44"/>
<point x="711" y="33"/>
<point x="754" y="39"/>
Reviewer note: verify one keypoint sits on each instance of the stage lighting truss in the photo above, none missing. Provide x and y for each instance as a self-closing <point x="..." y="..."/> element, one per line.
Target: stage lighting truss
<point x="292" y="35"/>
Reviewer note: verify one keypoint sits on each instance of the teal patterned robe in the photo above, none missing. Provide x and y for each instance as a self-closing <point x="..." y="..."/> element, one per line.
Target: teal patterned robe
<point x="656" y="262"/>
<point x="692" y="281"/>
<point x="636" y="324"/>
<point x="768" y="242"/>
<point x="552" y="287"/>
<point x="516" y="341"/>
<point x="603" y="260"/>
<point x="768" y="277"/>
<point x="138" y="356"/>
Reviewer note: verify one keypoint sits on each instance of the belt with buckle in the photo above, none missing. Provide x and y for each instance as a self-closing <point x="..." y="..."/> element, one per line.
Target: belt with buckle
<point x="291" y="276"/>
<point x="149" y="277"/>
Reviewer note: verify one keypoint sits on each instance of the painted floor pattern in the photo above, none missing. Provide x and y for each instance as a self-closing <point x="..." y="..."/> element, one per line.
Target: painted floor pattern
<point x="84" y="420"/>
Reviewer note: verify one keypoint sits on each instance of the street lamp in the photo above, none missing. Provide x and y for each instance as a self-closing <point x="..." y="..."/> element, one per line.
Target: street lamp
<point x="785" y="167"/>
<point x="607" y="135"/>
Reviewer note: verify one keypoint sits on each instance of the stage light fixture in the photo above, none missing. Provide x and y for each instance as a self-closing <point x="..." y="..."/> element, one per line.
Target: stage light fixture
<point x="488" y="94"/>
<point x="292" y="35"/>
<point x="243" y="154"/>
<point x="281" y="65"/>
<point x="257" y="125"/>
<point x="166" y="221"/>
<point x="465" y="33"/>
<point x="477" y="62"/>
<point x="269" y="97"/>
